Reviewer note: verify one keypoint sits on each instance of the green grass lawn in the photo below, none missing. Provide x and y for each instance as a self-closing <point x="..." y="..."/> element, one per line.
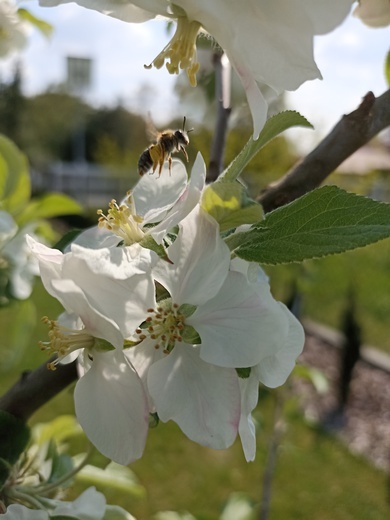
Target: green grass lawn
<point x="325" y="285"/>
<point x="316" y="478"/>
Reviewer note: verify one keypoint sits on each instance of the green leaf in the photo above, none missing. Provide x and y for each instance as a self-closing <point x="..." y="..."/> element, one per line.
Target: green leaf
<point x="64" y="517"/>
<point x="113" y="476"/>
<point x="50" y="205"/>
<point x="273" y="127"/>
<point x="316" y="377"/>
<point x="45" y="28"/>
<point x="226" y="202"/>
<point x="61" y="428"/>
<point x="67" y="239"/>
<point x="15" y="187"/>
<point x="324" y="222"/>
<point x="17" y="336"/>
<point x="387" y="68"/>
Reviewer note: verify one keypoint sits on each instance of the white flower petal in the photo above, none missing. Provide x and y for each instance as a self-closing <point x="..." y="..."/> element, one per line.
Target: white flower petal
<point x="200" y="261"/>
<point x="241" y="325"/>
<point x="8" y="227"/>
<point x="111" y="407"/>
<point x="96" y="323"/>
<point x="19" y="512"/>
<point x="249" y="396"/>
<point x="90" y="505"/>
<point x="202" y="399"/>
<point x="375" y="13"/>
<point x="123" y="10"/>
<point x="154" y="195"/>
<point x="273" y="370"/>
<point x="95" y="237"/>
<point x="125" y="288"/>
<point x="142" y="357"/>
<point x="186" y="203"/>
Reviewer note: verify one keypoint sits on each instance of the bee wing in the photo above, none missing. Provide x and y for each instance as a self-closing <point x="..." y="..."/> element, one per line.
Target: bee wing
<point x="151" y="131"/>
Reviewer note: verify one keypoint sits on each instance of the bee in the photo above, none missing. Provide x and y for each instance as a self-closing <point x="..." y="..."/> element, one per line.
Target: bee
<point x="165" y="144"/>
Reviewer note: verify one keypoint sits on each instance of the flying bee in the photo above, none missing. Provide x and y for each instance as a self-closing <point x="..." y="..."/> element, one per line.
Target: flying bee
<point x="166" y="143"/>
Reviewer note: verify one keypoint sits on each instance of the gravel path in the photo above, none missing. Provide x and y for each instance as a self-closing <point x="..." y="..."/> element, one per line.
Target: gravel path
<point x="365" y="423"/>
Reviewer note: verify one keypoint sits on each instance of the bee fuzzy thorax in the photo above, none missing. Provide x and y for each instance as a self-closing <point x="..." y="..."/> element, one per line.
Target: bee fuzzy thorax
<point x="167" y="143"/>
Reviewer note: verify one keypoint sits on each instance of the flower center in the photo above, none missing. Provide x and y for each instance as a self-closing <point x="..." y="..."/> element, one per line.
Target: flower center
<point x="123" y="221"/>
<point x="63" y="341"/>
<point x="180" y="53"/>
<point x="165" y="325"/>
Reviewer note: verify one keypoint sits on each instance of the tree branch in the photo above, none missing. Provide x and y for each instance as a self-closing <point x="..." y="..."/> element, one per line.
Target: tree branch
<point x="350" y="133"/>
<point x="35" y="388"/>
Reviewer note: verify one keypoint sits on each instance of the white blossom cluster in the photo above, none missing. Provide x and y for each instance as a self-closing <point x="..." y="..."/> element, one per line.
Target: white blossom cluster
<point x="12" y="29"/>
<point x="18" y="266"/>
<point x="186" y="332"/>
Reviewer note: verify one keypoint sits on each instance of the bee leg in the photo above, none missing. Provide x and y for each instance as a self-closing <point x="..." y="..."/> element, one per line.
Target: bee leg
<point x="184" y="152"/>
<point x="155" y="156"/>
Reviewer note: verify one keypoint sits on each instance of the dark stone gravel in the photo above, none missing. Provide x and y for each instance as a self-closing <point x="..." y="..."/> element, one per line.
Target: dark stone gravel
<point x="364" y="424"/>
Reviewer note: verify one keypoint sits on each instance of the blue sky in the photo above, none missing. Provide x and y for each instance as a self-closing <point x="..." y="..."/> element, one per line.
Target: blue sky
<point x="351" y="60"/>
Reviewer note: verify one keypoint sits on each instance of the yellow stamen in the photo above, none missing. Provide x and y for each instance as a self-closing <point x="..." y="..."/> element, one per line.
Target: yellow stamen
<point x="180" y="53"/>
<point x="63" y="341"/>
<point x="122" y="221"/>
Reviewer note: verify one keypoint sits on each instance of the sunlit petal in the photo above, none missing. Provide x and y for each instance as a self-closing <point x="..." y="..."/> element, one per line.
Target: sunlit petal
<point x="200" y="261"/>
<point x="241" y="325"/>
<point x="111" y="407"/>
<point x="202" y="399"/>
<point x="273" y="370"/>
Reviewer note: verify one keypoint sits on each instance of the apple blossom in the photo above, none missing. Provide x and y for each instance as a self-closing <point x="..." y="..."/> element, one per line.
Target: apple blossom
<point x="96" y="287"/>
<point x="375" y="13"/>
<point x="215" y="321"/>
<point x="154" y="206"/>
<point x="18" y="264"/>
<point x="266" y="42"/>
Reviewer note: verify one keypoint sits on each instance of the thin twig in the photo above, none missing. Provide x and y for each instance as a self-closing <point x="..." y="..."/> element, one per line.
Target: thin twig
<point x="269" y="471"/>
<point x="350" y="133"/>
<point x="36" y="388"/>
<point x="222" y="94"/>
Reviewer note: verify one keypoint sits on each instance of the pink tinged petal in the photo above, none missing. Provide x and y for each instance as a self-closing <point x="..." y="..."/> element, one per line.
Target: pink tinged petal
<point x="186" y="203"/>
<point x="111" y="407"/>
<point x="249" y="396"/>
<point x="96" y="323"/>
<point x="154" y="195"/>
<point x="241" y="325"/>
<point x="204" y="400"/>
<point x="273" y="370"/>
<point x="200" y="261"/>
